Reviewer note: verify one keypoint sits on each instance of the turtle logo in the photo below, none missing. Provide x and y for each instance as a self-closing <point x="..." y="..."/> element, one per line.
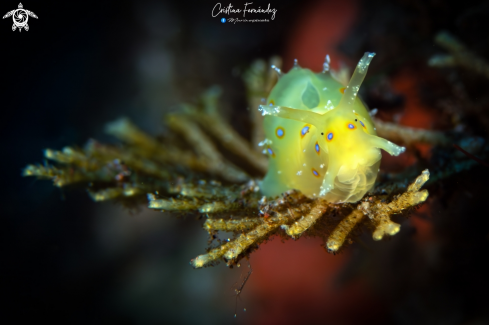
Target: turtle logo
<point x="20" y="17"/>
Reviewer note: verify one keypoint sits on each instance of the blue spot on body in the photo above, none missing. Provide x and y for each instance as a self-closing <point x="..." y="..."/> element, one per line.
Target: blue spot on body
<point x="330" y="136"/>
<point x="280" y="132"/>
<point x="351" y="126"/>
<point x="315" y="172"/>
<point x="362" y="124"/>
<point x="317" y="148"/>
<point x="305" y="129"/>
<point x="270" y="151"/>
<point x="223" y="20"/>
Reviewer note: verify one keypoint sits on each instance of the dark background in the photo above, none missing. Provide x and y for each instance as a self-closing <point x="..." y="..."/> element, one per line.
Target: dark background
<point x="64" y="258"/>
<point x="81" y="65"/>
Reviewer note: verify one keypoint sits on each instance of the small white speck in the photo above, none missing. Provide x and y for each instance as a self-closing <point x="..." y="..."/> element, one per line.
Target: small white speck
<point x="325" y="88"/>
<point x="322" y="165"/>
<point x="264" y="142"/>
<point x="279" y="172"/>
<point x="353" y="111"/>
<point x="304" y="150"/>
<point x="299" y="173"/>
<point x="329" y="105"/>
<point x="327" y="172"/>
<point x="304" y="165"/>
<point x="375" y="129"/>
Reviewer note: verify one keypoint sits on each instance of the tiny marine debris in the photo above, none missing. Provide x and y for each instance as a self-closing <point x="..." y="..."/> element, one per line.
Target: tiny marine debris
<point x="189" y="169"/>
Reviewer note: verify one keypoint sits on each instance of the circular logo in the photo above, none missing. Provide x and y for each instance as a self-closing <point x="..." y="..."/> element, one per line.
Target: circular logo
<point x="20" y="18"/>
<point x="223" y="20"/>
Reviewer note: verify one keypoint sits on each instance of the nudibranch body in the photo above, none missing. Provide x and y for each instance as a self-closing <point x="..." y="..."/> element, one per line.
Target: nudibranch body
<point x="319" y="136"/>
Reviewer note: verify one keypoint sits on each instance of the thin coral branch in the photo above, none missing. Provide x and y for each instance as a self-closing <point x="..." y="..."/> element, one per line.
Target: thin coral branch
<point x="459" y="55"/>
<point x="343" y="230"/>
<point x="67" y="176"/>
<point x="231" y="250"/>
<point x="115" y="192"/>
<point x="206" y="149"/>
<point x="297" y="219"/>
<point x="144" y="145"/>
<point x="408" y="135"/>
<point x="232" y="225"/>
<point x="379" y="212"/>
<point x="212" y="199"/>
<point x="319" y="208"/>
<point x="174" y="204"/>
<point x="126" y="131"/>
<point x="229" y="138"/>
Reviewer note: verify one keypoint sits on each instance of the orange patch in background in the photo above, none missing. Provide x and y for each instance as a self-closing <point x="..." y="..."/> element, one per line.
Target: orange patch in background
<point x="421" y="220"/>
<point x="296" y="282"/>
<point x="424" y="150"/>
<point x="320" y="28"/>
<point x="415" y="113"/>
